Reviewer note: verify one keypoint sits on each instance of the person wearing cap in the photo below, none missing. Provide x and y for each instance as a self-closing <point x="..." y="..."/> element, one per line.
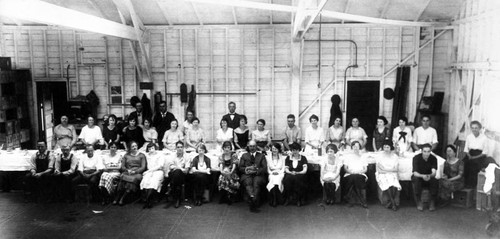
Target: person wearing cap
<point x="36" y="182"/>
<point x="65" y="168"/>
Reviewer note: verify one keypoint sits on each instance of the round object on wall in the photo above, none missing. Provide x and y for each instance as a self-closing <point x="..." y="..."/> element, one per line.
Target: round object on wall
<point x="389" y="93"/>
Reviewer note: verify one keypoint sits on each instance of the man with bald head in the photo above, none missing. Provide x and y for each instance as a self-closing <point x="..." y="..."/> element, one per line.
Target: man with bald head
<point x="253" y="168"/>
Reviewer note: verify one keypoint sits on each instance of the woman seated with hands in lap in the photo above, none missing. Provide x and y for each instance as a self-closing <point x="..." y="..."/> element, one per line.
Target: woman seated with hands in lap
<point x="355" y="177"/>
<point x="133" y="165"/>
<point x="228" y="180"/>
<point x="330" y="174"/>
<point x="387" y="176"/>
<point x="295" y="175"/>
<point x="200" y="168"/>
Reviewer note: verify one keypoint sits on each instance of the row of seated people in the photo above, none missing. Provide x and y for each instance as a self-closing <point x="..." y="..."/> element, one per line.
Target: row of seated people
<point x="115" y="177"/>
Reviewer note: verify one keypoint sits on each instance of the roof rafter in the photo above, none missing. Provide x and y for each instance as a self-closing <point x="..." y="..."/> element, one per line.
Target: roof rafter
<point x="43" y="12"/>
<point x="163" y="9"/>
<point x="197" y="13"/>
<point x="422" y="10"/>
<point x="324" y="13"/>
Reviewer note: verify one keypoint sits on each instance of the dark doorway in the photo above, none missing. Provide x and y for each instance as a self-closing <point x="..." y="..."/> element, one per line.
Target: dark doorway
<point x="363" y="103"/>
<point x="52" y="104"/>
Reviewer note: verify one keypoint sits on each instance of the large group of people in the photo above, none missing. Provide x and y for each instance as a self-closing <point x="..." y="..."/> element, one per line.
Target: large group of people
<point x="165" y="157"/>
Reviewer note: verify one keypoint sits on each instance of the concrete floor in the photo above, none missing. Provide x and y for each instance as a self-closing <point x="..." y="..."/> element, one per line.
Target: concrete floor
<point x="211" y="220"/>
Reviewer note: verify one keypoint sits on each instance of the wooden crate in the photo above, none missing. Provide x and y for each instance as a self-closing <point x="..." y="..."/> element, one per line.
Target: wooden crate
<point x="483" y="201"/>
<point x="463" y="198"/>
<point x="481" y="178"/>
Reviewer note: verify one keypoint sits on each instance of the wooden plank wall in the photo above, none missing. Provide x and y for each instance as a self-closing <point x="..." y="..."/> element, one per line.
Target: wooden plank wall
<point x="254" y="60"/>
<point x="476" y="72"/>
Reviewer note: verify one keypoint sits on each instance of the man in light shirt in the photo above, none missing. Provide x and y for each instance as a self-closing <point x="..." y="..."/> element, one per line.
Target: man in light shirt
<point x="425" y="134"/>
<point x="292" y="133"/>
<point x="476" y="147"/>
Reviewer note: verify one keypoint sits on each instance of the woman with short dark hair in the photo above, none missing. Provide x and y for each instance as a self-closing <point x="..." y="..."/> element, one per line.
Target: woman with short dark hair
<point x="387" y="176"/>
<point x="276" y="171"/>
<point x="200" y="168"/>
<point x="110" y="131"/>
<point x="380" y="134"/>
<point x="453" y="171"/>
<point x="228" y="182"/>
<point x="111" y="172"/>
<point x="133" y="165"/>
<point x="177" y="169"/>
<point x="172" y="136"/>
<point x="295" y="175"/>
<point x="262" y="136"/>
<point x="132" y="133"/>
<point x="314" y="136"/>
<point x="330" y="173"/>
<point x="402" y="136"/>
<point x="242" y="134"/>
<point x="225" y="133"/>
<point x="194" y="135"/>
<point x="153" y="177"/>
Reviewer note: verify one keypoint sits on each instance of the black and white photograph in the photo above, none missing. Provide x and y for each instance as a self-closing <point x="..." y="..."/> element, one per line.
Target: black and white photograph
<point x="249" y="119"/>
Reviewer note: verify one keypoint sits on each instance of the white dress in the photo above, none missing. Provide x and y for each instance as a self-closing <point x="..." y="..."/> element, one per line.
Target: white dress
<point x="275" y="166"/>
<point x="387" y="180"/>
<point x="402" y="142"/>
<point x="222" y="136"/>
<point x="153" y="177"/>
<point x="315" y="137"/>
<point x="330" y="170"/>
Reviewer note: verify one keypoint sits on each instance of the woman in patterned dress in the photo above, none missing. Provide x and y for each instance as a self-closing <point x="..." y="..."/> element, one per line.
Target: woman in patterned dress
<point x="228" y="180"/>
<point x="111" y="172"/>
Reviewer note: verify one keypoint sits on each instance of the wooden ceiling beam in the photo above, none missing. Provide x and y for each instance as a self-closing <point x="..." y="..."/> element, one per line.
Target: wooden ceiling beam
<point x="50" y="14"/>
<point x="235" y="17"/>
<point x="422" y="10"/>
<point x="324" y="13"/>
<point x="137" y="24"/>
<point x="163" y="9"/>
<point x="383" y="13"/>
<point x="96" y="7"/>
<point x="197" y="13"/>
<point x="347" y="7"/>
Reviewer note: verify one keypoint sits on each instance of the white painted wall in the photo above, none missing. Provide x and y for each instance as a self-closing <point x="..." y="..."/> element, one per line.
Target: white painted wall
<point x="251" y="59"/>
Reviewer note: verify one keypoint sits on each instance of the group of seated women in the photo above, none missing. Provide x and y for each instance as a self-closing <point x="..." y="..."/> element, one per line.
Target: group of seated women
<point x="117" y="176"/>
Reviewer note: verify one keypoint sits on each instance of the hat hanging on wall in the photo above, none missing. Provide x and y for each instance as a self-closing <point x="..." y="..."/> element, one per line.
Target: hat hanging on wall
<point x="134" y="100"/>
<point x="389" y="93"/>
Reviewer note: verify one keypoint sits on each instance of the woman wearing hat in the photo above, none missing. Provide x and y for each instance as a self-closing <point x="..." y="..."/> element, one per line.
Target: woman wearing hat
<point x="387" y="176"/>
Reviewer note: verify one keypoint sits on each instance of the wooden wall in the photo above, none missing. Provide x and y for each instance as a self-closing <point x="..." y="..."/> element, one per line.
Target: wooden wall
<point x="254" y="60"/>
<point x="476" y="72"/>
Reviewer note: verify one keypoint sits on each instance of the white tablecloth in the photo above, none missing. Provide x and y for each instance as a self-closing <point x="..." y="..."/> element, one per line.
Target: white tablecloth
<point x="15" y="160"/>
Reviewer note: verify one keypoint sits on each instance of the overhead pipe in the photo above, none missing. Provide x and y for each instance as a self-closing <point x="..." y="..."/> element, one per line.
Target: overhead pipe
<point x="355" y="65"/>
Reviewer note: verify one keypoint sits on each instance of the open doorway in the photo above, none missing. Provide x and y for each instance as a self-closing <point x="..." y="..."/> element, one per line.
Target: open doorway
<point x="52" y="104"/>
<point x="363" y="103"/>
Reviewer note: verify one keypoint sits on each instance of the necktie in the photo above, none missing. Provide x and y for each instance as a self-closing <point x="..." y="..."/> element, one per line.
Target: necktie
<point x="402" y="134"/>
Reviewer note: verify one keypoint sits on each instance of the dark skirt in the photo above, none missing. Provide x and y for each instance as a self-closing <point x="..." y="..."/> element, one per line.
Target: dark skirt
<point x="130" y="186"/>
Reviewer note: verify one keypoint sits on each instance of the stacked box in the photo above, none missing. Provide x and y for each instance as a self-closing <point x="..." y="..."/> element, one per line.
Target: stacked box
<point x="483" y="201"/>
<point x="10" y="127"/>
<point x="463" y="198"/>
<point x="25" y="135"/>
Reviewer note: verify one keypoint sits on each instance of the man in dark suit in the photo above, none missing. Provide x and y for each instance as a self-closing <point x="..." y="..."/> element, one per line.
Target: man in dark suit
<point x="232" y="118"/>
<point x="139" y="114"/>
<point x="253" y="168"/>
<point x="162" y="120"/>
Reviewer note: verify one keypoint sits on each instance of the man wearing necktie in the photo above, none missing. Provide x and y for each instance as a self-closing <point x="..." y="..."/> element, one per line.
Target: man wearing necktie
<point x="162" y="120"/>
<point x="232" y="118"/>
<point x="139" y="114"/>
<point x="253" y="168"/>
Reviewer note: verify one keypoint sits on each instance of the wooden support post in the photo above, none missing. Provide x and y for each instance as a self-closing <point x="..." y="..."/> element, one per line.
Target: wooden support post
<point x="61" y="58"/>
<point x="273" y="85"/>
<point x="413" y="93"/>
<point x="106" y="69"/>
<point x="46" y="51"/>
<point x="34" y="112"/>
<point x="431" y="68"/>
<point x="212" y="84"/>
<point x="16" y="57"/>
<point x="77" y="69"/>
<point x="165" y="56"/>
<point x="196" y="67"/>
<point x="382" y="79"/>
<point x="257" y="74"/>
<point x="226" y="64"/>
<point x="242" y="69"/>
<point x="296" y="55"/>
<point x="122" y="77"/>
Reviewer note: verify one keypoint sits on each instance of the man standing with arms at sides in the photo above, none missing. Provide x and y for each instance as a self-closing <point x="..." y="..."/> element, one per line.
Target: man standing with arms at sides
<point x="232" y="118"/>
<point x="425" y="135"/>
<point x="292" y="133"/>
<point x="162" y="120"/>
